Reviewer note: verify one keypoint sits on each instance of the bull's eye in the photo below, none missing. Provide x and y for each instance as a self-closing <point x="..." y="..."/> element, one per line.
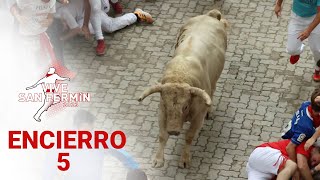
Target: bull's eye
<point x="185" y="108"/>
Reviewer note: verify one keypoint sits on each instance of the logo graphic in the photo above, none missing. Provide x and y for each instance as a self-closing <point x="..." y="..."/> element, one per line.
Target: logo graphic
<point x="301" y="137"/>
<point x="54" y="93"/>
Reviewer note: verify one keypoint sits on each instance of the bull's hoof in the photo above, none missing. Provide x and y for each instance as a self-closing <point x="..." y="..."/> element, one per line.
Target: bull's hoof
<point x="184" y="163"/>
<point x="158" y="163"/>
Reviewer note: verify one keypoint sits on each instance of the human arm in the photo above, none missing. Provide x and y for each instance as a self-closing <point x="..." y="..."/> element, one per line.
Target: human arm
<point x="35" y="85"/>
<point x="63" y="1"/>
<point x="278" y="8"/>
<point x="87" y="13"/>
<point x="312" y="140"/>
<point x="71" y="23"/>
<point x="59" y="78"/>
<point x="15" y="12"/>
<point x="123" y="156"/>
<point x="48" y="21"/>
<point x="291" y="150"/>
<point x="303" y="167"/>
<point x="71" y="33"/>
<point x="134" y="172"/>
<point x="306" y="33"/>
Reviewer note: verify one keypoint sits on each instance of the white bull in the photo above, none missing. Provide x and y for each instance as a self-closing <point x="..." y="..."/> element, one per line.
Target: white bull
<point x="189" y="80"/>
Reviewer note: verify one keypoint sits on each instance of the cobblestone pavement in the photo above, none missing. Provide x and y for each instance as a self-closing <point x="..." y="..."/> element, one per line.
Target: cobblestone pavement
<point x="256" y="95"/>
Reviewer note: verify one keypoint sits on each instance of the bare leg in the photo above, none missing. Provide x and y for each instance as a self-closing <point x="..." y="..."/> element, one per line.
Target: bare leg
<point x="288" y="171"/>
<point x="43" y="108"/>
<point x="46" y="105"/>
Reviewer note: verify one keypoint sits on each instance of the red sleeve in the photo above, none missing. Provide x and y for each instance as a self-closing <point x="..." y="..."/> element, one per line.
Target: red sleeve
<point x="300" y="150"/>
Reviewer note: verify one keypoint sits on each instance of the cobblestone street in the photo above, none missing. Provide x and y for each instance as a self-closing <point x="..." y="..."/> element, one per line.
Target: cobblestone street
<point x="257" y="94"/>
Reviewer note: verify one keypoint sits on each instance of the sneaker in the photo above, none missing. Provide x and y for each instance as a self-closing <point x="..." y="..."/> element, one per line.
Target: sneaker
<point x="116" y="7"/>
<point x="294" y="59"/>
<point x="316" y="76"/>
<point x="101" y="47"/>
<point x="143" y="16"/>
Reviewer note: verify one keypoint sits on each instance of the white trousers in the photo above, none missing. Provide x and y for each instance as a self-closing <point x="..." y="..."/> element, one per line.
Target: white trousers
<point x="102" y="22"/>
<point x="110" y="24"/>
<point x="95" y="18"/>
<point x="297" y="25"/>
<point x="263" y="163"/>
<point x="73" y="16"/>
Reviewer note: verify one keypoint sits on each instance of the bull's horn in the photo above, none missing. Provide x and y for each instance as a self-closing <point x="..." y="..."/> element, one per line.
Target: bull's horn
<point x="151" y="90"/>
<point x="201" y="93"/>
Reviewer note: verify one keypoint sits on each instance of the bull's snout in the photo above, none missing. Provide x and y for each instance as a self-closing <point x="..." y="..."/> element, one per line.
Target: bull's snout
<point x="175" y="133"/>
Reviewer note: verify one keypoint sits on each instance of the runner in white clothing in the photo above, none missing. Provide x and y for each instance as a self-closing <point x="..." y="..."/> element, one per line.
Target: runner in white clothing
<point x="33" y="18"/>
<point x="304" y="23"/>
<point x="73" y="15"/>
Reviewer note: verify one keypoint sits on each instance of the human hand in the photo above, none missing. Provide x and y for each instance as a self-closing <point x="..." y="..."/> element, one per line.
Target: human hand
<point x="277" y="10"/>
<point x="304" y="35"/>
<point x="309" y="143"/>
<point x="46" y="22"/>
<point x="315" y="169"/>
<point x="86" y="32"/>
<point x="64" y="1"/>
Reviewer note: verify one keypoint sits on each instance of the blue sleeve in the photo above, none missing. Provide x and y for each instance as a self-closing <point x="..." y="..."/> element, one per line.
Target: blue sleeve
<point x="123" y="156"/>
<point x="298" y="138"/>
<point x="306" y="103"/>
<point x="318" y="2"/>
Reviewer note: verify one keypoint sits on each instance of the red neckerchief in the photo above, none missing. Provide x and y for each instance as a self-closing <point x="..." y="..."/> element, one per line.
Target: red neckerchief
<point x="316" y="119"/>
<point x="48" y="75"/>
<point x="49" y="90"/>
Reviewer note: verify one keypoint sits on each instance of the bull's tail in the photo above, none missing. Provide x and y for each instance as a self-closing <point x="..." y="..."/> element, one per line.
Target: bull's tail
<point x="217" y="14"/>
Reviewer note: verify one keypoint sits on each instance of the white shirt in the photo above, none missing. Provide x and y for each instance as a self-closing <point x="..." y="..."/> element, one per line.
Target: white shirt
<point x="35" y="11"/>
<point x="71" y="13"/>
